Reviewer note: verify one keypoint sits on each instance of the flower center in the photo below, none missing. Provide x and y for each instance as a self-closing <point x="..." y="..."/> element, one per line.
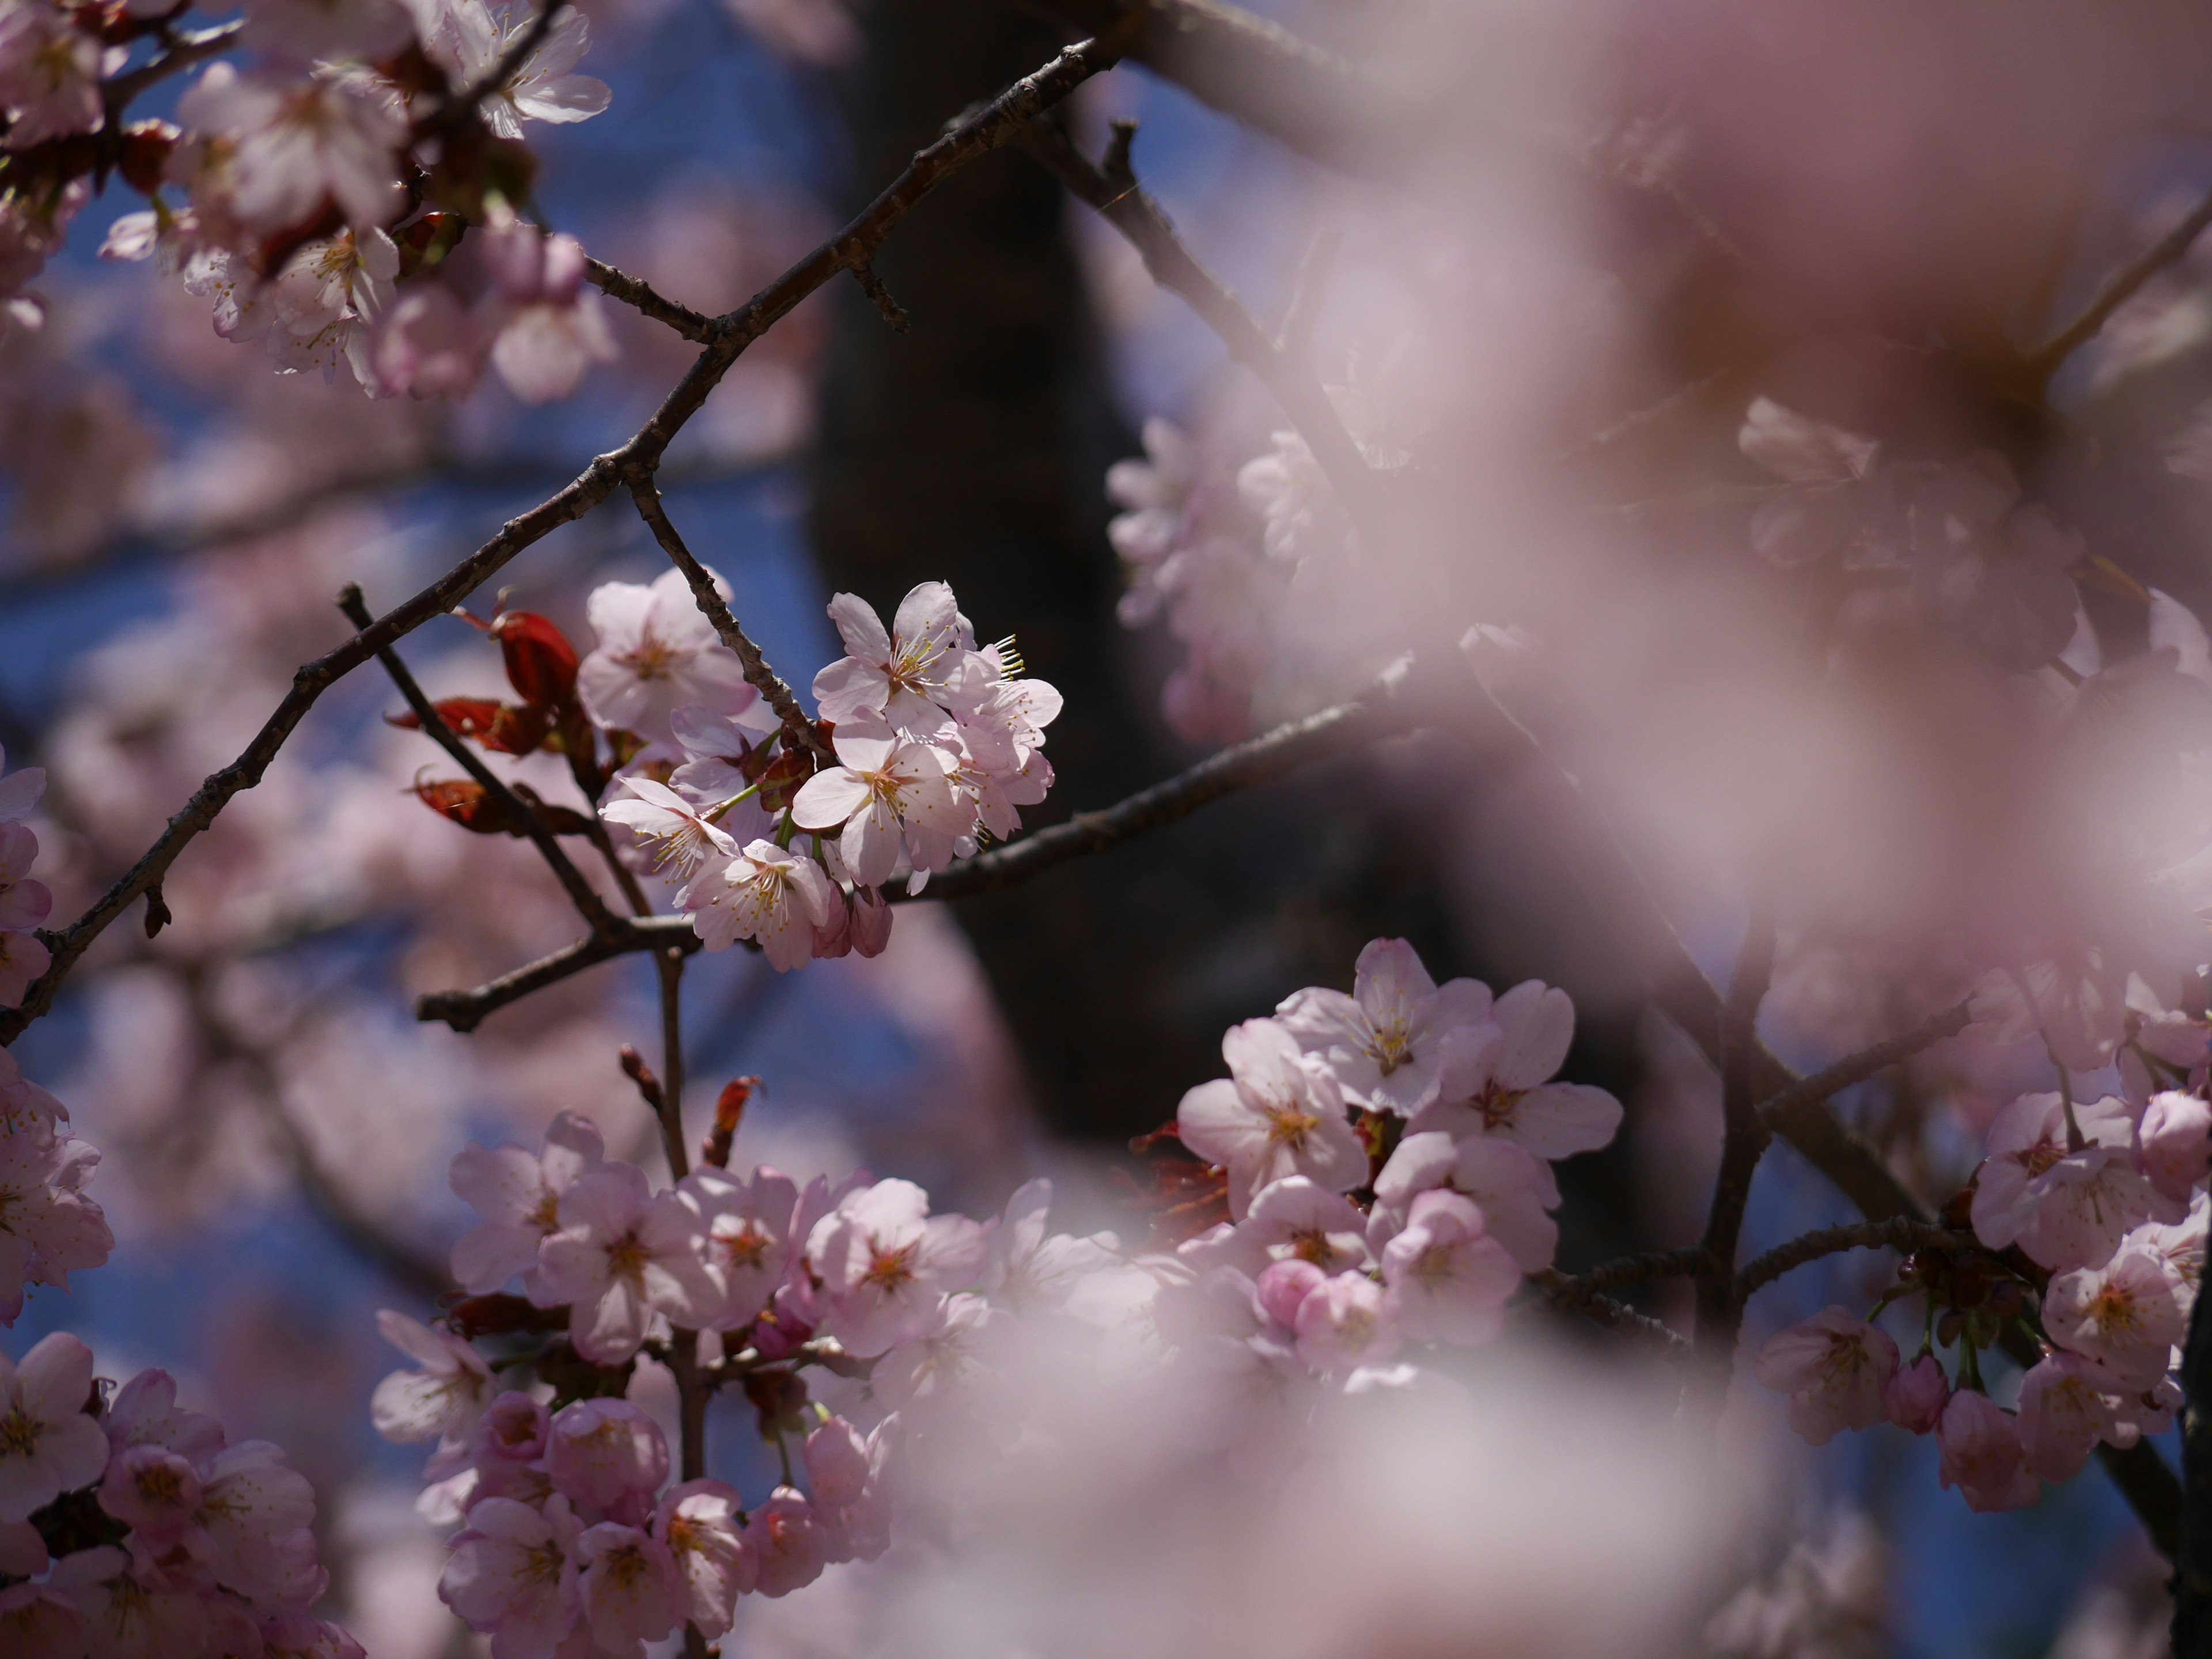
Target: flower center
<point x="890" y="1271"/>
<point x="747" y="1247"/>
<point x="1392" y="1045"/>
<point x="19" y="1432"/>
<point x="1289" y="1126"/>
<point x="1497" y="1105"/>
<point x="626" y="1258"/>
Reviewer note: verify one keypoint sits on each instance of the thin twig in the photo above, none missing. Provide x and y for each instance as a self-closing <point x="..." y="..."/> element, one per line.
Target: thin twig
<point x="465" y="1010"/>
<point x="1856" y="1069"/>
<point x="2043" y="361"/>
<point x="801" y="731"/>
<point x="1348" y="726"/>
<point x="880" y="296"/>
<point x="669" y="961"/>
<point x="1744" y="1133"/>
<point x="1897" y="1234"/>
<point x="1632" y="1270"/>
<point x="180" y="53"/>
<point x="581" y="893"/>
<point x="1561" y="1291"/>
<point x="641" y="296"/>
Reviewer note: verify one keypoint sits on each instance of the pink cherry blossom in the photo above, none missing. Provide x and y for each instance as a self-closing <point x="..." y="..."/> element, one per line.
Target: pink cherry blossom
<point x="127" y="1613"/>
<point x="2065" y="1208"/>
<point x="551" y="325"/>
<point x="23" y="902"/>
<point x="1385" y="1040"/>
<point x="747" y="1229"/>
<point x="2174" y="1142"/>
<point x="23" y="958"/>
<point x="514" y="1573"/>
<point x="50" y="69"/>
<point x="292" y="142"/>
<point x="884" y="1263"/>
<point x="1834" y="1369"/>
<point x="37" y="1621"/>
<point x="681" y="838"/>
<point x="1448" y="1279"/>
<point x="885" y="794"/>
<point x="2067" y="1404"/>
<point x="715" y="745"/>
<point x="252" y="1527"/>
<point x="468" y="40"/>
<point x="1031" y="1268"/>
<point x="48" y="1446"/>
<point x="764" y="893"/>
<point x="657" y="653"/>
<point x="1282" y="1288"/>
<point x="296" y="1636"/>
<point x="145" y="1412"/>
<point x="49" y="1227"/>
<point x="154" y="1491"/>
<point x="623" y="1254"/>
<point x="1502" y="1072"/>
<point x="900" y="674"/>
<point x="1983" y="1455"/>
<point x="306" y="31"/>
<point x="519" y="1196"/>
<point x="2127" y="1315"/>
<point x="785" y="1541"/>
<point x="1915" y="1396"/>
<point x="23" y="1550"/>
<point x="599" y="1451"/>
<point x="443" y="1399"/>
<point x="1296" y="1217"/>
<point x="702" y="1525"/>
<point x="1346" y="1322"/>
<point x="427" y="344"/>
<point x="1514" y="1190"/>
<point x="629" y="1585"/>
<point x="938" y="1366"/>
<point x="1277" y="1113"/>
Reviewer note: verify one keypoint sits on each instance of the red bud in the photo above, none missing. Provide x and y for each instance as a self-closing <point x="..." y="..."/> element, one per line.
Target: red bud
<point x="541" y="664"/>
<point x="499" y="726"/>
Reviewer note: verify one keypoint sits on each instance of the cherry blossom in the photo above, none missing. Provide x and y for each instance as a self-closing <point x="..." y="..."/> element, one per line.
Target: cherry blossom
<point x="48" y="1444"/>
<point x="2064" y="1208"/>
<point x="747" y="1237"/>
<point x="1514" y="1191"/>
<point x="936" y="1367"/>
<point x="600" y="1451"/>
<point x="49" y="67"/>
<point x="145" y="1412"/>
<point x="548" y="322"/>
<point x="1915" y="1396"/>
<point x="1495" y="1080"/>
<point x="154" y="1491"/>
<point x="519" y="1196"/>
<point x="468" y="40"/>
<point x="883" y="797"/>
<point x="1385" y="1040"/>
<point x="1448" y="1279"/>
<point x="1983" y="1455"/>
<point x="1277" y="1113"/>
<point x="885" y="1261"/>
<point x="702" y="1526"/>
<point x="1282" y="1288"/>
<point x="290" y="143"/>
<point x="1294" y="1217"/>
<point x="897" y="675"/>
<point x="309" y="31"/>
<point x="443" y="1399"/>
<point x="1346" y="1323"/>
<point x="680" y="837"/>
<point x="1031" y="1268"/>
<point x="514" y="1573"/>
<point x="629" y="1588"/>
<point x="20" y="790"/>
<point x="1834" y="497"/>
<point x="2067" y="1404"/>
<point x="40" y="1622"/>
<point x="622" y="1253"/>
<point x="786" y="1543"/>
<point x="765" y="893"/>
<point x="252" y="1527"/>
<point x="657" y="653"/>
<point x="2127" y="1315"/>
<point x="127" y="1613"/>
<point x="1834" y="1369"/>
<point x="49" y="1227"/>
<point x="2174" y="1142"/>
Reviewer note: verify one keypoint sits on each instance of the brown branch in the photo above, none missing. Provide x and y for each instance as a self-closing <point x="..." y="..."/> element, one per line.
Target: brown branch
<point x="180" y="52"/>
<point x="2043" y="361"/>
<point x="1560" y="1292"/>
<point x="1897" y="1234"/>
<point x="1379" y="713"/>
<point x="641" y="296"/>
<point x="465" y="1010"/>
<point x="990" y="128"/>
<point x="1113" y="190"/>
<point x="581" y="893"/>
<point x="1856" y="1069"/>
<point x="801" y="731"/>
<point x="1631" y="1270"/>
<point x="1744" y="1133"/>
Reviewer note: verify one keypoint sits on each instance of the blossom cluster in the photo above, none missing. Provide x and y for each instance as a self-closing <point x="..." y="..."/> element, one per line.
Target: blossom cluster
<point x="571" y="1526"/>
<point x="129" y="1525"/>
<point x="323" y="195"/>
<point x="936" y="741"/>
<point x="49" y="1226"/>
<point x="2091" y="1220"/>
<point x="1386" y="1162"/>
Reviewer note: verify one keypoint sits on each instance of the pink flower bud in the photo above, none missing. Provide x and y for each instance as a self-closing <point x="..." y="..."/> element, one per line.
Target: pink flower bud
<point x="871" y="922"/>
<point x="1282" y="1286"/>
<point x="2174" y="1144"/>
<point x="1916" y="1395"/>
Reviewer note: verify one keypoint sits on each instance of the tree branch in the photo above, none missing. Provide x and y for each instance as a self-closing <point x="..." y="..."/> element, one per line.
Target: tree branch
<point x="2043" y="361"/>
<point x="641" y="296"/>
<point x="465" y="1010"/>
<point x="801" y="731"/>
<point x="1897" y="1233"/>
<point x="1379" y="713"/>
<point x="581" y="893"/>
<point x="1856" y="1069"/>
<point x="1745" y="1136"/>
<point x="1560" y="1292"/>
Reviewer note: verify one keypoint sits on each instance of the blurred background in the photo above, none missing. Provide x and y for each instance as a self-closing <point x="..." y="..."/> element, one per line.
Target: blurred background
<point x="275" y="1125"/>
